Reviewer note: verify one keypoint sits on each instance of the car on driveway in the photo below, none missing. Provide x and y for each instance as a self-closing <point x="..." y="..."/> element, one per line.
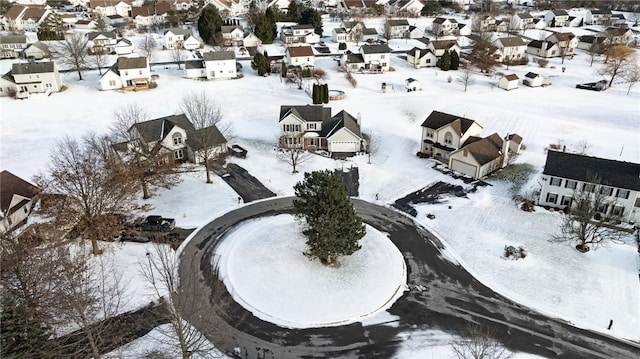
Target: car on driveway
<point x="158" y="223"/>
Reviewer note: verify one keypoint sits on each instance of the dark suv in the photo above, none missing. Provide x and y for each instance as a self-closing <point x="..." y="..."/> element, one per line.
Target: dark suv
<point x="158" y="223"/>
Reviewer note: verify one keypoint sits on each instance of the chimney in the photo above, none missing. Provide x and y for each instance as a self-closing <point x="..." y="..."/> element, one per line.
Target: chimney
<point x="359" y="119"/>
<point x="505" y="152"/>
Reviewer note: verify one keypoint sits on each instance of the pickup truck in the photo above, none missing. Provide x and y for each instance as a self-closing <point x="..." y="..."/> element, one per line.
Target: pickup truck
<point x="158" y="223"/>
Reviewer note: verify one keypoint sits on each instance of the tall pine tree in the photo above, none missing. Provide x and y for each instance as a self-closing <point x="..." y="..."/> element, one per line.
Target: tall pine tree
<point x="310" y="16"/>
<point x="333" y="228"/>
<point x="455" y="60"/>
<point x="209" y="24"/>
<point x="20" y="335"/>
<point x="445" y="61"/>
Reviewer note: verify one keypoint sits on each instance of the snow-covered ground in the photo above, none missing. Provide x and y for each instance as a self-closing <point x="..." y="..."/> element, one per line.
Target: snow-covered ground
<point x="585" y="289"/>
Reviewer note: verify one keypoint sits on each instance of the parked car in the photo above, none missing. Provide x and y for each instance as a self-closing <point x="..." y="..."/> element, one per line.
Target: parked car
<point x="134" y="237"/>
<point x="158" y="223"/>
<point x="593" y="86"/>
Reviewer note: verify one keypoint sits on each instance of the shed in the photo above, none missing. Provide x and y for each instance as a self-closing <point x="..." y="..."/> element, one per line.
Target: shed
<point x="532" y="79"/>
<point x="509" y="82"/>
<point x="412" y="84"/>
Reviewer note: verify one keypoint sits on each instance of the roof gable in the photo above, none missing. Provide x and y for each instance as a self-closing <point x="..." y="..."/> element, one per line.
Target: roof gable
<point x="300" y="51"/>
<point x="437" y="120"/>
<point x="33" y="68"/>
<point x="128" y="63"/>
<point x="11" y="185"/>
<point x="307" y="113"/>
<point x="486" y="149"/>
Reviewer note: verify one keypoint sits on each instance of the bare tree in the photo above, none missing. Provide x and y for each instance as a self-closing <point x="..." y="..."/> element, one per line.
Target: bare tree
<point x="373" y="145"/>
<point x="632" y="75"/>
<point x="635" y="16"/>
<point x="161" y="271"/>
<point x="85" y="191"/>
<point x="512" y="26"/>
<point x="591" y="213"/>
<point x="206" y="116"/>
<point x="148" y="47"/>
<point x="150" y="168"/>
<point x="99" y="59"/>
<point x="178" y="55"/>
<point x="465" y="77"/>
<point x="583" y="147"/>
<point x="620" y="57"/>
<point x="594" y="51"/>
<point x="91" y="290"/>
<point x="73" y="52"/>
<point x="293" y="157"/>
<point x="436" y="30"/>
<point x="482" y="53"/>
<point x="479" y="343"/>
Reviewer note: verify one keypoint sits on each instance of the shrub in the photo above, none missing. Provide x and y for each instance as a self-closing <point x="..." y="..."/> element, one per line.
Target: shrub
<point x="513" y="253"/>
<point x="431" y="216"/>
<point x="342" y="46"/>
<point x="422" y="155"/>
<point x="543" y="62"/>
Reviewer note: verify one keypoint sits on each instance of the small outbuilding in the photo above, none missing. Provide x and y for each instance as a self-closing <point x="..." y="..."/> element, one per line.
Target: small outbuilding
<point x="509" y="82"/>
<point x="532" y="79"/>
<point x="412" y="84"/>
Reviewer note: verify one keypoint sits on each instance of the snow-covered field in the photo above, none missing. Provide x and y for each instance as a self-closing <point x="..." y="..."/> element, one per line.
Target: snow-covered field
<point x="586" y="289"/>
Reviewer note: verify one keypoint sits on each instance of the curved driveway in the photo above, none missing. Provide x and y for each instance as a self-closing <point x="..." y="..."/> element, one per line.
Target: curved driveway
<point x="443" y="295"/>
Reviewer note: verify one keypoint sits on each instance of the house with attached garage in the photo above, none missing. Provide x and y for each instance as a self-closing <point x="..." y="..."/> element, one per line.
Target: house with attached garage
<point x="177" y="38"/>
<point x="443" y="133"/>
<point x="102" y="8"/>
<point x="11" y="46"/>
<point x="556" y="18"/>
<point x="16" y="201"/>
<point x="405" y="7"/>
<point x="421" y="58"/>
<point x="444" y="26"/>
<point x="37" y="51"/>
<point x="479" y="157"/>
<point x="543" y="48"/>
<point x="618" y="181"/>
<point x="371" y="59"/>
<point x="232" y="35"/>
<point x="355" y="31"/>
<point x="618" y="36"/>
<point x="31" y="78"/>
<point x="397" y="29"/>
<point x="299" y="34"/>
<point x="311" y="127"/>
<point x="512" y="48"/>
<point x="299" y="56"/>
<point x="597" y="17"/>
<point x="128" y="74"/>
<point x="523" y="21"/>
<point x="220" y="64"/>
<point x="150" y="15"/>
<point x="566" y="41"/>
<point x="175" y="139"/>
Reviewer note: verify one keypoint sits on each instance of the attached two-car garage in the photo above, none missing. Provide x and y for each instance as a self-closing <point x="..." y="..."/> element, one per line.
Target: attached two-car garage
<point x="463" y="167"/>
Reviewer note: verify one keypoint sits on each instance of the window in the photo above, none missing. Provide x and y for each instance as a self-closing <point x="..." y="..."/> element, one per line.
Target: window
<point x="570" y="184"/>
<point x="637" y="204"/>
<point x="177" y="138"/>
<point x="311" y="126"/>
<point x="178" y="154"/>
<point x="607" y="191"/>
<point x="552" y="198"/>
<point x="429" y="133"/>
<point x="448" y="139"/>
<point x="47" y="85"/>
<point x="428" y="61"/>
<point x="566" y="200"/>
<point x="112" y="82"/>
<point x="589" y="187"/>
<point x="623" y="193"/>
<point x="126" y="73"/>
<point x="603" y="208"/>
<point x="555" y="181"/>
<point x="617" y="210"/>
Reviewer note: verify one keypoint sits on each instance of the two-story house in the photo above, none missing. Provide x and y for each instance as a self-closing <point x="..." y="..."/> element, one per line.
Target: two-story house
<point x="523" y="21"/>
<point x="421" y="58"/>
<point x="556" y="18"/>
<point x="371" y="59"/>
<point x="618" y="181"/>
<point x="177" y="38"/>
<point x="512" y="48"/>
<point x="16" y="201"/>
<point x="597" y="17"/>
<point x="227" y="8"/>
<point x="443" y="133"/>
<point x="301" y="56"/>
<point x="311" y="127"/>
<point x="213" y="66"/>
<point x="617" y="36"/>
<point x="357" y="31"/>
<point x="442" y="26"/>
<point x="176" y="139"/>
<point x="438" y="47"/>
<point x="299" y="34"/>
<point x="102" y="8"/>
<point x="32" y="78"/>
<point x="232" y="35"/>
<point x="478" y="157"/>
<point x="397" y="29"/>
<point x="543" y="48"/>
<point x="405" y="7"/>
<point x="24" y="17"/>
<point x="128" y="74"/>
<point x="11" y="46"/>
<point x="566" y="41"/>
<point x="101" y="41"/>
<point x="146" y="16"/>
<point x="484" y="23"/>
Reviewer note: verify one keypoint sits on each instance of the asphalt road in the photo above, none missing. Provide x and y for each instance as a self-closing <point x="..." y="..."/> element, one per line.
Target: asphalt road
<point x="443" y="295"/>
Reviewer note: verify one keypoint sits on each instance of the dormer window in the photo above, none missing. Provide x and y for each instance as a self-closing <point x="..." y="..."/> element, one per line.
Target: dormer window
<point x="177" y="139"/>
<point x="448" y="138"/>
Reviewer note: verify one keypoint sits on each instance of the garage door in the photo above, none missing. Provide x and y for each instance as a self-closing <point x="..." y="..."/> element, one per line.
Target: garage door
<point x="337" y="146"/>
<point x="465" y="168"/>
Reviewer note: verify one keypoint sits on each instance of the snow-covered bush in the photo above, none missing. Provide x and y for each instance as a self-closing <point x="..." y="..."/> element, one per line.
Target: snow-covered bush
<point x="513" y="253"/>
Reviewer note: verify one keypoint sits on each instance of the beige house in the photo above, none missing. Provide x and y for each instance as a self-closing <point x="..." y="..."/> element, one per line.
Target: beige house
<point x="421" y="58"/>
<point x="16" y="201"/>
<point x="508" y="82"/>
<point x="480" y="156"/>
<point x="128" y="74"/>
<point x="443" y="133"/>
<point x="299" y="56"/>
<point x="566" y="41"/>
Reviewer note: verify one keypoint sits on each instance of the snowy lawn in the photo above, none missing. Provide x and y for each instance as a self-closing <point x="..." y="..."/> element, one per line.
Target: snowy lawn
<point x="264" y="269"/>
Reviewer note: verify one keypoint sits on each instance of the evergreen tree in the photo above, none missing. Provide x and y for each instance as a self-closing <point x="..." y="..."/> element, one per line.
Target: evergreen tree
<point x="312" y="17"/>
<point x="445" y="61"/>
<point x="315" y="95"/>
<point x="209" y="24"/>
<point x="261" y="63"/>
<point x="455" y="60"/>
<point x="431" y="8"/>
<point x="20" y="335"/>
<point x="294" y="11"/>
<point x="342" y="46"/>
<point x="333" y="228"/>
<point x="325" y="93"/>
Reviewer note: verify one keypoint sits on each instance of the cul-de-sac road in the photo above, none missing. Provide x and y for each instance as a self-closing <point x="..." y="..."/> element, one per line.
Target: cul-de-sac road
<point x="443" y="295"/>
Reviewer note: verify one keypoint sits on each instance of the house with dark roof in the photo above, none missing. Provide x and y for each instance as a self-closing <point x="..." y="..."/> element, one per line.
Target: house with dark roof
<point x="29" y="78"/>
<point x="421" y="58"/>
<point x="37" y="51"/>
<point x="566" y="41"/>
<point x="444" y="26"/>
<point x="523" y="21"/>
<point x="311" y="127"/>
<point x="397" y="29"/>
<point x="24" y="17"/>
<point x="556" y="18"/>
<point x="543" y="48"/>
<point x="150" y="15"/>
<point x="371" y="59"/>
<point x="354" y="31"/>
<point x="597" y="16"/>
<point x="479" y="157"/>
<point x="591" y="43"/>
<point x="127" y="74"/>
<point x="220" y="65"/>
<point x="180" y="39"/>
<point x="299" y="34"/>
<point x="513" y="48"/>
<point x="16" y="201"/>
<point x="618" y="36"/>
<point x="438" y="47"/>
<point x="302" y="56"/>
<point x="11" y="46"/>
<point x="618" y="181"/>
<point x="175" y="139"/>
<point x="443" y="133"/>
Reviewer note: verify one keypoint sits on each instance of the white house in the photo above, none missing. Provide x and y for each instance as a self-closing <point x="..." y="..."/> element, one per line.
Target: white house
<point x="102" y="41"/>
<point x="180" y="38"/>
<point x="523" y="21"/>
<point x="102" y="8"/>
<point x="406" y="7"/>
<point x="397" y="28"/>
<point x="24" y="17"/>
<point x="338" y="35"/>
<point x="38" y="51"/>
<point x="227" y="7"/>
<point x="35" y="77"/>
<point x="619" y="182"/>
<point x="372" y="58"/>
<point x="11" y="46"/>
<point x="251" y="40"/>
<point x="508" y="82"/>
<point x="357" y="31"/>
<point x="597" y="17"/>
<point x="150" y="15"/>
<point x="556" y="18"/>
<point x="128" y="74"/>
<point x="443" y="133"/>
<point x="16" y="201"/>
<point x="543" y="48"/>
<point x="566" y="41"/>
<point x="479" y="157"/>
<point x="299" y="56"/>
<point x="539" y="23"/>
<point x="175" y="138"/>
<point x="298" y="34"/>
<point x="232" y="35"/>
<point x="415" y="32"/>
<point x="312" y="127"/>
<point x="444" y="26"/>
<point x="485" y="22"/>
<point x="512" y="48"/>
<point x="618" y="36"/>
<point x="421" y="58"/>
<point x="220" y="65"/>
<point x="438" y="47"/>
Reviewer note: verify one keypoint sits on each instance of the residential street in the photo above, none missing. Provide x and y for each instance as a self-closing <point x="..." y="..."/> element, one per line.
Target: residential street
<point x="443" y="295"/>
